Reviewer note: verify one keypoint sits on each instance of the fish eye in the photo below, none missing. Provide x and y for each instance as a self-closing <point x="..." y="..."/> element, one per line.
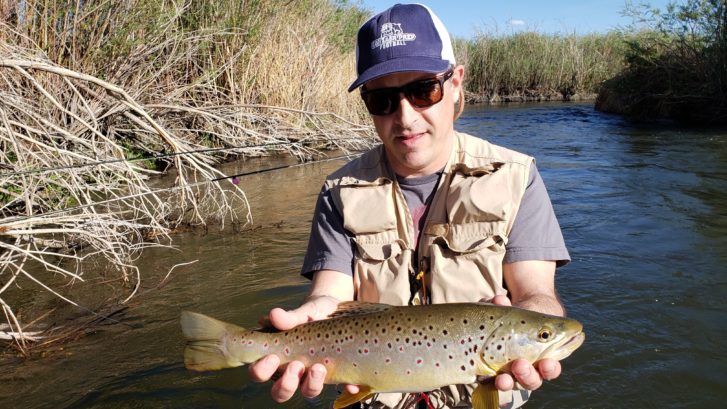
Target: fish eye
<point x="545" y="334"/>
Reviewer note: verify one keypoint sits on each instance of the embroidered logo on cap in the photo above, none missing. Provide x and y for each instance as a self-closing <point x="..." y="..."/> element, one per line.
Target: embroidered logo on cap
<point x="391" y="36"/>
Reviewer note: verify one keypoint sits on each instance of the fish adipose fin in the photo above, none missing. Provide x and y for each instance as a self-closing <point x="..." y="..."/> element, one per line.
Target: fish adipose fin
<point x="348" y="399"/>
<point x="349" y="308"/>
<point x="485" y="396"/>
<point x="205" y="350"/>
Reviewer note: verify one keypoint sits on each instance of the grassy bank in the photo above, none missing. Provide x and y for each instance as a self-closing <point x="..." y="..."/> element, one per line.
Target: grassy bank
<point x="176" y="86"/>
<point x="532" y="66"/>
<point x="676" y="65"/>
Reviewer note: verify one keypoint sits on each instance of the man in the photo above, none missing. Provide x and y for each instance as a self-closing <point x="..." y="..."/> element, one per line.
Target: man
<point x="431" y="215"/>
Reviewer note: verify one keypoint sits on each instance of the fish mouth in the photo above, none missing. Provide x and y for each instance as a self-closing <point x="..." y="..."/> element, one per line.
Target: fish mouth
<point x="564" y="349"/>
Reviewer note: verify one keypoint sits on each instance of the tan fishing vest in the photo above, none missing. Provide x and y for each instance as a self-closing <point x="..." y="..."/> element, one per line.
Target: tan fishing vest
<point x="461" y="247"/>
<point x="463" y="242"/>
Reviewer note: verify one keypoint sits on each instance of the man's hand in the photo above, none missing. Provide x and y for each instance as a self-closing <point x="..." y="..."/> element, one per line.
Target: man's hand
<point x="318" y="306"/>
<point x="294" y="375"/>
<point x="526" y="375"/>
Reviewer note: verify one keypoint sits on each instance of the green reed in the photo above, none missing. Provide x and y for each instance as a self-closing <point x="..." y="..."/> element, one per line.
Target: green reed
<point x="535" y="66"/>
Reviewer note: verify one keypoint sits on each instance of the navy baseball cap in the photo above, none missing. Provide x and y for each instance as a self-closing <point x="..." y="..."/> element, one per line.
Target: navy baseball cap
<point x="406" y="37"/>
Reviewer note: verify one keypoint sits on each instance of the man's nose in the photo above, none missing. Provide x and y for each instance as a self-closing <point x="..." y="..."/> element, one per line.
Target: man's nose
<point x="407" y="113"/>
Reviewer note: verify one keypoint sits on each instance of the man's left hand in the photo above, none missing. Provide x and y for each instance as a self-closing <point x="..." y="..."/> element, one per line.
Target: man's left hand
<point x="527" y="376"/>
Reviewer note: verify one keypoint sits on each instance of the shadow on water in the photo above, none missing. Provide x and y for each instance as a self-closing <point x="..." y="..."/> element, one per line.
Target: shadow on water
<point x="643" y="212"/>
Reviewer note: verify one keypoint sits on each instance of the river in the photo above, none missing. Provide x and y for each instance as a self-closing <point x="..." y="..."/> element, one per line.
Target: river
<point x="643" y="209"/>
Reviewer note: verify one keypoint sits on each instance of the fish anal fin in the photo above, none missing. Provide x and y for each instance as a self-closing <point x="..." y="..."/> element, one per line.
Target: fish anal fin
<point x="348" y="399"/>
<point x="485" y="396"/>
<point x="350" y="308"/>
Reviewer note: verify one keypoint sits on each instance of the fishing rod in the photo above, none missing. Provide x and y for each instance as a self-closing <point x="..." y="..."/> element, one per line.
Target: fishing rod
<point x="233" y="178"/>
<point x="160" y="156"/>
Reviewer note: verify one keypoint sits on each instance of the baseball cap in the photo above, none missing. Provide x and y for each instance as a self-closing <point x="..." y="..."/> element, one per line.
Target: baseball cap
<point x="405" y="37"/>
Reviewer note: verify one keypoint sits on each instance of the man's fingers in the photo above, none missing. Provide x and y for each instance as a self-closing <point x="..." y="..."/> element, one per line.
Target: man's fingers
<point x="549" y="369"/>
<point x="352" y="389"/>
<point x="313" y="382"/>
<point x="526" y="374"/>
<point x="264" y="368"/>
<point x="504" y="382"/>
<point x="501" y="299"/>
<point x="286" y="386"/>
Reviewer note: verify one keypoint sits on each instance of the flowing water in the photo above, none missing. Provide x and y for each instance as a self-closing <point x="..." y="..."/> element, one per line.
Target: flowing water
<point x="644" y="213"/>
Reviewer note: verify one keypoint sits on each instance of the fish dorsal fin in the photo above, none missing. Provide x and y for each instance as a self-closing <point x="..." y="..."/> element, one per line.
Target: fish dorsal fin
<point x="347" y="399"/>
<point x="350" y="308"/>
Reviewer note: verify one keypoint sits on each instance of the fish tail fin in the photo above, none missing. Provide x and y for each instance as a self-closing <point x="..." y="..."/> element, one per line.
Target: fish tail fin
<point x="486" y="396"/>
<point x="206" y="349"/>
<point x="347" y="399"/>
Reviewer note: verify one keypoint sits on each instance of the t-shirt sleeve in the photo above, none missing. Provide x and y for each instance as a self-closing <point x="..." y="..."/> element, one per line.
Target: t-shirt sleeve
<point x="330" y="247"/>
<point x="535" y="233"/>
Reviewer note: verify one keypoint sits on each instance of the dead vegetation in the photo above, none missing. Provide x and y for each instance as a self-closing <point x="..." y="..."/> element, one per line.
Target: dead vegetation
<point x="84" y="131"/>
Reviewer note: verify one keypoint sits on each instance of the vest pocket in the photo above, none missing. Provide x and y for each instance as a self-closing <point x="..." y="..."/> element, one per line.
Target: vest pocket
<point x="381" y="268"/>
<point x="466" y="261"/>
<point x="369" y="205"/>
<point x="479" y="194"/>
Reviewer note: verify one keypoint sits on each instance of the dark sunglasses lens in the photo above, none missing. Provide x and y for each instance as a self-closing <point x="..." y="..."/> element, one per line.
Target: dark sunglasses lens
<point x="381" y="103"/>
<point x="424" y="93"/>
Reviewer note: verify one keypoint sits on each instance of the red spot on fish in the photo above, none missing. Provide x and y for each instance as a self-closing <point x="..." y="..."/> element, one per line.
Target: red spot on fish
<point x="401" y="349"/>
<point x="338" y="349"/>
<point x="326" y="361"/>
<point x="286" y="351"/>
<point x="419" y="361"/>
<point x="311" y="352"/>
<point x="249" y="342"/>
<point x="366" y="351"/>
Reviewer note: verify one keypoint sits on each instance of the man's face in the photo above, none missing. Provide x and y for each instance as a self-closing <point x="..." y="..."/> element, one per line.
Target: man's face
<point x="418" y="141"/>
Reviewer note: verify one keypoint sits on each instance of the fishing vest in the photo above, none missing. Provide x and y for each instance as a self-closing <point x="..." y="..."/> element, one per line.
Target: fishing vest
<point x="462" y="244"/>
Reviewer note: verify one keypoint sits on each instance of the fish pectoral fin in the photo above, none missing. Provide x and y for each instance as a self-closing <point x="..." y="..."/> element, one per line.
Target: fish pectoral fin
<point x="486" y="396"/>
<point x="348" y="399"/>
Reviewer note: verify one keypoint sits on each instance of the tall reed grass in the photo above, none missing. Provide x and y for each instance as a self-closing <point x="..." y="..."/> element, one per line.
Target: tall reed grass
<point x="534" y="66"/>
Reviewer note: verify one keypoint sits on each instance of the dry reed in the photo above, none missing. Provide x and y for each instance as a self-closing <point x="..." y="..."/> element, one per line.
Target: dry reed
<point x="108" y="83"/>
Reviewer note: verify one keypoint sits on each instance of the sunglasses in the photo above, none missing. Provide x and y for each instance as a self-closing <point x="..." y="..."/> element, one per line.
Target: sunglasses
<point x="421" y="94"/>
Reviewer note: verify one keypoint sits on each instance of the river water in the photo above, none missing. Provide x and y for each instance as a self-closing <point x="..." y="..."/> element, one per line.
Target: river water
<point x="643" y="209"/>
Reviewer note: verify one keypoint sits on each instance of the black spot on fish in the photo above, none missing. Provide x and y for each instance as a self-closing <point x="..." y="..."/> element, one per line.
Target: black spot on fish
<point x="464" y="321"/>
<point x="499" y="347"/>
<point x="463" y="368"/>
<point x="482" y="327"/>
<point x="472" y="362"/>
<point x="445" y="346"/>
<point x="431" y="328"/>
<point x="445" y="332"/>
<point x="522" y="322"/>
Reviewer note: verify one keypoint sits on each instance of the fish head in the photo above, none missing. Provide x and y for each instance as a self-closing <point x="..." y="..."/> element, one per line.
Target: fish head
<point x="531" y="336"/>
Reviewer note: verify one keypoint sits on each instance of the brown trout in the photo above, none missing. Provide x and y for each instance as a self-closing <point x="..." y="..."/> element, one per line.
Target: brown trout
<point x="386" y="348"/>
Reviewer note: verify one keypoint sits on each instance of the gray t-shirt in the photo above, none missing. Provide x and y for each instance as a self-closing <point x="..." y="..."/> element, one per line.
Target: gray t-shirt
<point x="535" y="233"/>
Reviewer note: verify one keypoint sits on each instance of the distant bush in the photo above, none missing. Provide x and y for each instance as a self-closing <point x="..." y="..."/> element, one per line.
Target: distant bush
<point x="676" y="64"/>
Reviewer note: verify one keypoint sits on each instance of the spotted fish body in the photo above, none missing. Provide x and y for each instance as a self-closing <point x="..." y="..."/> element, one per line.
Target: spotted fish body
<point x="391" y="348"/>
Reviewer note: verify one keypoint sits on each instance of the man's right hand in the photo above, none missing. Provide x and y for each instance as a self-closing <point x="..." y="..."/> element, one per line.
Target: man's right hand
<point x="295" y="374"/>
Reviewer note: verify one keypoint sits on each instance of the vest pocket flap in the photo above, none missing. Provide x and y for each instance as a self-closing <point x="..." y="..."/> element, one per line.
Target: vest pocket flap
<point x="471" y="237"/>
<point x="480" y="196"/>
<point x="374" y="250"/>
<point x="367" y="206"/>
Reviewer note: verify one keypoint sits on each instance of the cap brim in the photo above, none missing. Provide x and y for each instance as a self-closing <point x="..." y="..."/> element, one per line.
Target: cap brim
<point x="407" y="64"/>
